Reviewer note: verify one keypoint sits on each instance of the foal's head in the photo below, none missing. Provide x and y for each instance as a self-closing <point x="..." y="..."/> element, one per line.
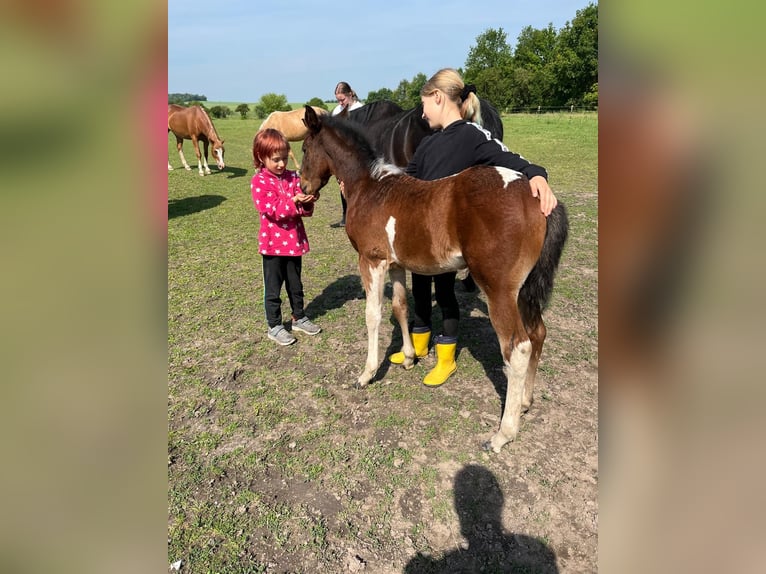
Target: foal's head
<point x="316" y="166"/>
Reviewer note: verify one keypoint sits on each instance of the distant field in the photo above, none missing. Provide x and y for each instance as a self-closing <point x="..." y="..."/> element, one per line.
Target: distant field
<point x="276" y="463"/>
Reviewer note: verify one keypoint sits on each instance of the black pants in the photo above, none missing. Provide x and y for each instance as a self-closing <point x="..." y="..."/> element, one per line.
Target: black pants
<point x="276" y="271"/>
<point x="344" y="204"/>
<point x="444" y="286"/>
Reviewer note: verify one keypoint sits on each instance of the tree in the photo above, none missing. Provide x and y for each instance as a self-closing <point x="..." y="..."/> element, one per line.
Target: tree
<point x="271" y="103"/>
<point x="317" y="102"/>
<point x="575" y="63"/>
<point x="491" y="51"/>
<point x="184" y="99"/>
<point x="534" y="54"/>
<point x="379" y="95"/>
<point x="243" y="110"/>
<point x="489" y="66"/>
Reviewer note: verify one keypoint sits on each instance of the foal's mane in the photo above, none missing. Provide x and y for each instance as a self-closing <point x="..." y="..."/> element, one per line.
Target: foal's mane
<point x="352" y="134"/>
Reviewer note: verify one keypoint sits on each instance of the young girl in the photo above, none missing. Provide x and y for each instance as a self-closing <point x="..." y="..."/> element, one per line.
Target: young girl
<point x="282" y="239"/>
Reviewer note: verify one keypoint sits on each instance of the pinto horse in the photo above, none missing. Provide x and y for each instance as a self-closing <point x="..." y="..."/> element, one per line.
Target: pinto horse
<point x="291" y="125"/>
<point x="194" y="124"/>
<point x="484" y="218"/>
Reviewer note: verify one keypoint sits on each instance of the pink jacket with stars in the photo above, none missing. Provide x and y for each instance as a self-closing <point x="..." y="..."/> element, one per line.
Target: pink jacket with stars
<point x="282" y="232"/>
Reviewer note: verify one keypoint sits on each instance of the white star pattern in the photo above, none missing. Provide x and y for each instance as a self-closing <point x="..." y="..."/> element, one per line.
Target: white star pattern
<point x="281" y="227"/>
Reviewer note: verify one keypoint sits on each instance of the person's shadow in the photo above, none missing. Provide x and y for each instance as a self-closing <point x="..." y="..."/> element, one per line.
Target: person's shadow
<point x="479" y="503"/>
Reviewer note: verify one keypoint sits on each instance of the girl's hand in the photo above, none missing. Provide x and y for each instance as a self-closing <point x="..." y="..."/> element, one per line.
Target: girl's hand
<point x="303" y="198"/>
<point x="541" y="189"/>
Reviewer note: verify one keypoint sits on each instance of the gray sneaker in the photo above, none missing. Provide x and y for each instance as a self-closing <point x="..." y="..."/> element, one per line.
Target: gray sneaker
<point x="306" y="326"/>
<point x="281" y="336"/>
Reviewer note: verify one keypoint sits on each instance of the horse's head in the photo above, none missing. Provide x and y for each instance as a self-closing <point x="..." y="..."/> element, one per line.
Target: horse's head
<point x="218" y="152"/>
<point x="316" y="166"/>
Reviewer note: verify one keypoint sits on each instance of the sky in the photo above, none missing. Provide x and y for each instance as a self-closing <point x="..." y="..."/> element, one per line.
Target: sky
<point x="238" y="50"/>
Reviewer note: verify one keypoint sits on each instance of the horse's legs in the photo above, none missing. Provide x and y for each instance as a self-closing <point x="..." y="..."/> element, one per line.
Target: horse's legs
<point x="179" y="146"/>
<point x="195" y="145"/>
<point x="373" y="279"/>
<point x="295" y="161"/>
<point x="205" y="145"/>
<point x="537" y="337"/>
<point x="516" y="349"/>
<point x="399" y="305"/>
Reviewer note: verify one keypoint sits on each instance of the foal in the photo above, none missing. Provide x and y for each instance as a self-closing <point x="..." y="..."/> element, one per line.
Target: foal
<point x="484" y="218"/>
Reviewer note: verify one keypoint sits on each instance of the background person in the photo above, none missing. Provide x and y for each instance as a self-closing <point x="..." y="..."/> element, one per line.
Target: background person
<point x="347" y="99"/>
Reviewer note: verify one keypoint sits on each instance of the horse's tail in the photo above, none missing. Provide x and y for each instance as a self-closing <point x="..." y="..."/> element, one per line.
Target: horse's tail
<point x="536" y="291"/>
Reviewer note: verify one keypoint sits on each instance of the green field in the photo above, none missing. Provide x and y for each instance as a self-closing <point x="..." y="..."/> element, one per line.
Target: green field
<point x="276" y="463"/>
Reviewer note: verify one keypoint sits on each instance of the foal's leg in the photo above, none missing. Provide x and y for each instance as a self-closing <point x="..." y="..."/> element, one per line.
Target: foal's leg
<point x="516" y="350"/>
<point x="399" y="305"/>
<point x="179" y="146"/>
<point x="537" y="337"/>
<point x="373" y="278"/>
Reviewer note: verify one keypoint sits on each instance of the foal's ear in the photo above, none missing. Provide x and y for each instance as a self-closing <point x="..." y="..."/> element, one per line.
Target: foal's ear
<point x="310" y="119"/>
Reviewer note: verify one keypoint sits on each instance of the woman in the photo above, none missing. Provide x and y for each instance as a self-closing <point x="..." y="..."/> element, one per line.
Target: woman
<point x="453" y="108"/>
<point x="347" y="99"/>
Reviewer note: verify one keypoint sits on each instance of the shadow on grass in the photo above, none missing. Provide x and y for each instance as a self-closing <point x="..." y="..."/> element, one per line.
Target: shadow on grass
<point x="479" y="504"/>
<point x="234" y="172"/>
<point x="335" y="295"/>
<point x="189" y="205"/>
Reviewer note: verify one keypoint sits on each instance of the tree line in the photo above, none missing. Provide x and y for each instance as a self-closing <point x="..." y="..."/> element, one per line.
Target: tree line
<point x="547" y="69"/>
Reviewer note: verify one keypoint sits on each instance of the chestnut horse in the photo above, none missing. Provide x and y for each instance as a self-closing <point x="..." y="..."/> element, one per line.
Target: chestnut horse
<point x="194" y="124"/>
<point x="291" y="125"/>
<point x="484" y="218"/>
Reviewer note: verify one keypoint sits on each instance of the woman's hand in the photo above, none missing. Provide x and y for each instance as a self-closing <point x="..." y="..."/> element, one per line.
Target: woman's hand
<point x="541" y="189"/>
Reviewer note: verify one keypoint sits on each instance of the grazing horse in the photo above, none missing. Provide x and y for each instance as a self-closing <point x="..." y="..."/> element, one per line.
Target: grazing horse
<point x="396" y="133"/>
<point x="484" y="218"/>
<point x="291" y="125"/>
<point x="194" y="124"/>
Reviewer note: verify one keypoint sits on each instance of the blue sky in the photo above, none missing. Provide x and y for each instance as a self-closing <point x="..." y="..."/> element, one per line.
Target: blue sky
<point x="238" y="50"/>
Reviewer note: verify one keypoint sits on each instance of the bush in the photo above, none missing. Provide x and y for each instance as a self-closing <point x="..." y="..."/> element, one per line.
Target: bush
<point x="220" y="112"/>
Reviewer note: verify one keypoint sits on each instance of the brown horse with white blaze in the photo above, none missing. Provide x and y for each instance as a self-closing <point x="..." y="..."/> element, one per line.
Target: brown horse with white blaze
<point x="484" y="218"/>
<point x="291" y="125"/>
<point x="194" y="124"/>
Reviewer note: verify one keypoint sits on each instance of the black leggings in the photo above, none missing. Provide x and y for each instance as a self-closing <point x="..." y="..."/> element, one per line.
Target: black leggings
<point x="444" y="285"/>
<point x="277" y="270"/>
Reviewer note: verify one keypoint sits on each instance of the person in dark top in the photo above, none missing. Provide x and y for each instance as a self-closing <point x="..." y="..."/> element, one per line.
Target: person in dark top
<point x="452" y="107"/>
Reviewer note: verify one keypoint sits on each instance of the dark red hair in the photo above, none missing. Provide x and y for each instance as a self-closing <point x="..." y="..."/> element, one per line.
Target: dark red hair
<point x="266" y="142"/>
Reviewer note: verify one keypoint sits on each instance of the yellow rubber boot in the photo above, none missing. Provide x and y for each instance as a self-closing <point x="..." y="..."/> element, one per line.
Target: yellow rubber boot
<point x="420" y="342"/>
<point x="445" y="365"/>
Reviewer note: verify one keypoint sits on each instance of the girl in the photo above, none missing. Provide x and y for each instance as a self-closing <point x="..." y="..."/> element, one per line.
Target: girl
<point x="453" y="108"/>
<point x="282" y="239"/>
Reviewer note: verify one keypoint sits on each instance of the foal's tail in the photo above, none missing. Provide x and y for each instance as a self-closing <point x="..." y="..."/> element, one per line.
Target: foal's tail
<point x="536" y="291"/>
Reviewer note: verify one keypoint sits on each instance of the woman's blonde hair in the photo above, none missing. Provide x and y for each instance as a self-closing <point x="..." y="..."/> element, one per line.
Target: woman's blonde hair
<point x="449" y="82"/>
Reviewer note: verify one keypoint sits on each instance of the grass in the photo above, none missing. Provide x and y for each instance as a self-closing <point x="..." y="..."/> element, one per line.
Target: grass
<point x="275" y="461"/>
